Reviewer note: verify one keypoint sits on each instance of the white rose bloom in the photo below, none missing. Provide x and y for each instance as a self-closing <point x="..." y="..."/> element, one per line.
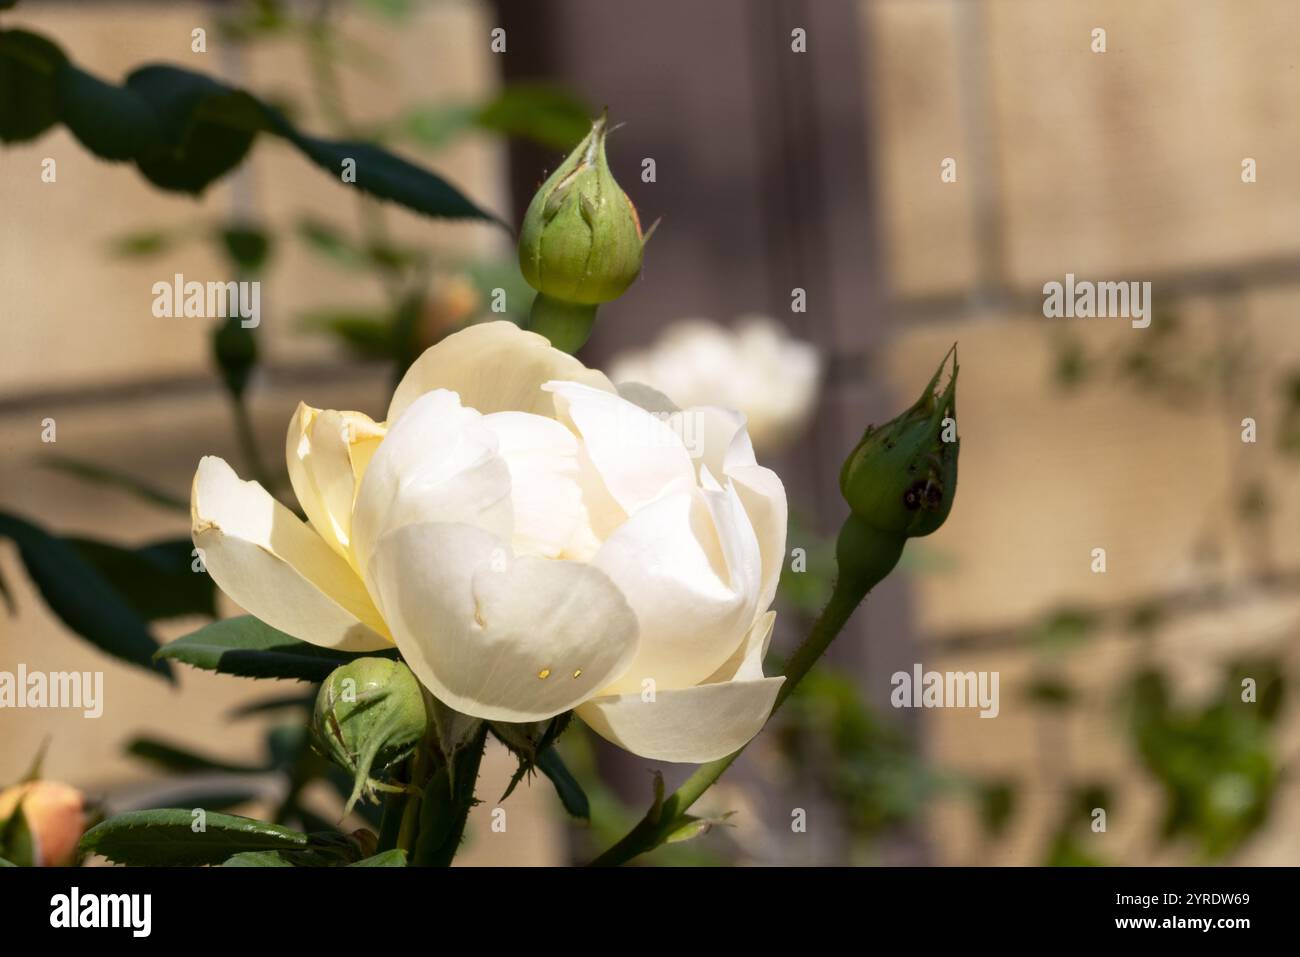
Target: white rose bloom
<point x="530" y="540"/>
<point x="755" y="368"/>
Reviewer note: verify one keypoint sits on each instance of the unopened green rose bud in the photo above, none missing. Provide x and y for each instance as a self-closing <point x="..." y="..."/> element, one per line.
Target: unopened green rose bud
<point x="580" y="244"/>
<point x="370" y="714"/>
<point x="901" y="478"/>
<point x="581" y="239"/>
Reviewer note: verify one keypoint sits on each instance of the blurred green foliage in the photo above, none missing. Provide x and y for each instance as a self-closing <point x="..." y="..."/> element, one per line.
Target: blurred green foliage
<point x="1214" y="760"/>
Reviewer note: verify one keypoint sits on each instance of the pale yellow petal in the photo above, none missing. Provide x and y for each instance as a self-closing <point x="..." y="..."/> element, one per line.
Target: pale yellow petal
<point x="327" y="453"/>
<point x="493" y="367"/>
<point x="276" y="567"/>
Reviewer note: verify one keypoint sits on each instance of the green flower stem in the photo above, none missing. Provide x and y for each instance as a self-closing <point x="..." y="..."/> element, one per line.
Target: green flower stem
<point x="865" y="557"/>
<point x="409" y="828"/>
<point x="390" y="824"/>
<point x="566" y="324"/>
<point x="448" y="799"/>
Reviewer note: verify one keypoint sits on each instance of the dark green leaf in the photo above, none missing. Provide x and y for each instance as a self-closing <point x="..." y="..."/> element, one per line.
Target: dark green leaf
<point x="113" y="122"/>
<point x="182" y="761"/>
<point x="207" y="127"/>
<point x="384" y="175"/>
<point x="156" y="580"/>
<point x="7" y="863"/>
<point x="29" y="65"/>
<point x="184" y="130"/>
<point x="567" y="787"/>
<point x="393" y="858"/>
<point x="81" y="597"/>
<point x="165" y="837"/>
<point x="107" y="476"/>
<point x="249" y="648"/>
<point x="256" y="859"/>
<point x="527" y="741"/>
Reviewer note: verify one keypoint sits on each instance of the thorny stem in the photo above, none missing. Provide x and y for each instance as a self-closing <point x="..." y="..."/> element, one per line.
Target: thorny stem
<point x="448" y="799"/>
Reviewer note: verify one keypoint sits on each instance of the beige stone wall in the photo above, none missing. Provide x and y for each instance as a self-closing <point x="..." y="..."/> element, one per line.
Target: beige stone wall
<point x="1117" y="166"/>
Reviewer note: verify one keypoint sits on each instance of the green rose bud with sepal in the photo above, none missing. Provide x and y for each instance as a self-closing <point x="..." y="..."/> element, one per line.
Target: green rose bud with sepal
<point x="581" y="243"/>
<point x="370" y="715"/>
<point x="901" y="479"/>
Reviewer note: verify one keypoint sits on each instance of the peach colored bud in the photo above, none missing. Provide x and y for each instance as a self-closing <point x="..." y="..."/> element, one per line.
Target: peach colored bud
<point x="452" y="301"/>
<point x="56" y="815"/>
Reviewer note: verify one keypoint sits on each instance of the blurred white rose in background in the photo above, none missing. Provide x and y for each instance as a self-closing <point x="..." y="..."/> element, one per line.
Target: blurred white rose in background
<point x="755" y="368"/>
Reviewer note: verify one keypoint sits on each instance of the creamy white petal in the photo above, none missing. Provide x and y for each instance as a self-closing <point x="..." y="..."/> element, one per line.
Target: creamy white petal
<point x="688" y="565"/>
<point x="763" y="497"/>
<point x="648" y="398"/>
<point x="747" y="663"/>
<point x="638" y="456"/>
<point x="276" y="567"/>
<point x="604" y="514"/>
<point x="497" y="636"/>
<point x="726" y="451"/>
<point x="327" y="453"/>
<point x="691" y="725"/>
<point x="542" y="456"/>
<point x="438" y="463"/>
<point x="494" y="367"/>
<point x="709" y="433"/>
